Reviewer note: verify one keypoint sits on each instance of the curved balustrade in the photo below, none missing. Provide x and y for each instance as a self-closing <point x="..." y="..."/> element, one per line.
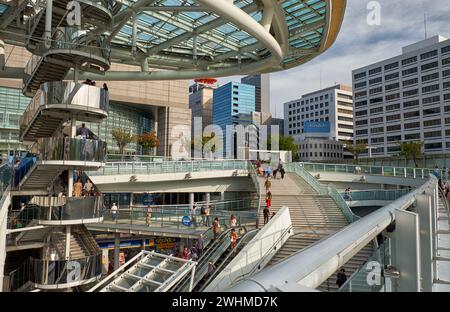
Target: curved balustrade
<point x="63" y="99"/>
<point x="172" y="218"/>
<point x="53" y="274"/>
<point x="381" y="195"/>
<point x="69" y="149"/>
<point x="169" y="167"/>
<point x="386" y="171"/>
<point x="59" y="211"/>
<point x="93" y="13"/>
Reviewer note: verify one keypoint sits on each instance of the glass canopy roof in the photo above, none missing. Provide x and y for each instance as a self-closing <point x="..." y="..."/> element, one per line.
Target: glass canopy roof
<point x="196" y="36"/>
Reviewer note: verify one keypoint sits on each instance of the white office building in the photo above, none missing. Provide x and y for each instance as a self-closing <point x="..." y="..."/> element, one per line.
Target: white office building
<point x="405" y="98"/>
<point x="332" y="104"/>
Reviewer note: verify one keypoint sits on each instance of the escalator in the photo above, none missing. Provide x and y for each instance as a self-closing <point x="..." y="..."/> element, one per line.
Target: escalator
<point x="213" y="254"/>
<point x="225" y="259"/>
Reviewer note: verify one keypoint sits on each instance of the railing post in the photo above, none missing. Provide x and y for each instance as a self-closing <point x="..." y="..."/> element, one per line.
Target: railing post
<point x="382" y="171"/>
<point x="404" y="172"/>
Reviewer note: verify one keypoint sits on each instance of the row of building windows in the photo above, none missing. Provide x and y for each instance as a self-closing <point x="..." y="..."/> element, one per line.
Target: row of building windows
<point x="308" y="101"/>
<point x="320" y="154"/>
<point x="328" y="146"/>
<point x="308" y="108"/>
<point x="405" y="62"/>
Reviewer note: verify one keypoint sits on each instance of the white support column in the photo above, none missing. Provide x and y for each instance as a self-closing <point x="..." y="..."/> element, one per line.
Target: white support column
<point x="68" y="242"/>
<point x="207" y="198"/>
<point x="116" y="250"/>
<point x="407" y="251"/>
<point x="73" y="132"/>
<point x="191" y="282"/>
<point x="48" y="24"/>
<point x="222" y="196"/>
<point x="426" y="241"/>
<point x="191" y="200"/>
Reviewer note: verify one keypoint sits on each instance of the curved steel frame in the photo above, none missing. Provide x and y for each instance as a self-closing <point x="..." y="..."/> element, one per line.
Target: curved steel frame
<point x="202" y="38"/>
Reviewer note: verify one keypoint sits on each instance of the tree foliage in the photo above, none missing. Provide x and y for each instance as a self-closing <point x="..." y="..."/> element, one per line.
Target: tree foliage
<point x="411" y="150"/>
<point x="122" y="137"/>
<point x="148" y="140"/>
<point x="357" y="148"/>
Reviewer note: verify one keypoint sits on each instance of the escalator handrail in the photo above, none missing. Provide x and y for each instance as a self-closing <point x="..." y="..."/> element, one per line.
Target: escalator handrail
<point x="201" y="262"/>
<point x="219" y="269"/>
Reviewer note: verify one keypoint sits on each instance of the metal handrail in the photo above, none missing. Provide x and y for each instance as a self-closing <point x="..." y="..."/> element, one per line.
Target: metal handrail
<point x="315" y="264"/>
<point x="324" y="190"/>
<point x="264" y="257"/>
<point x="204" y="260"/>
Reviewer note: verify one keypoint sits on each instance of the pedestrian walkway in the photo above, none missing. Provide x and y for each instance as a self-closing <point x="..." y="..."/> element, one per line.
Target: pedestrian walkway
<point x="313" y="216"/>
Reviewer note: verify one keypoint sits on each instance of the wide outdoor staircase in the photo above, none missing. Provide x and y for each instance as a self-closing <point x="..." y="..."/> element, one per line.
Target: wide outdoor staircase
<point x="42" y="125"/>
<point x="314" y="217"/>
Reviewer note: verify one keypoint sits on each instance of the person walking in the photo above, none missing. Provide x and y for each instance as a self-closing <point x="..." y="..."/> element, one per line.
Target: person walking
<point x="266" y="215"/>
<point x="207" y="216"/>
<point x="193" y="215"/>
<point x="211" y="268"/>
<point x="267" y="185"/>
<point x="114" y="211"/>
<point x="148" y="218"/>
<point x="341" y="278"/>
<point x="216" y="228"/>
<point x="268" y="171"/>
<point x="203" y="214"/>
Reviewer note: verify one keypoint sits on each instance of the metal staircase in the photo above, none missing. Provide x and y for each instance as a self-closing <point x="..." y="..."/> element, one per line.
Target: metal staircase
<point x="69" y="255"/>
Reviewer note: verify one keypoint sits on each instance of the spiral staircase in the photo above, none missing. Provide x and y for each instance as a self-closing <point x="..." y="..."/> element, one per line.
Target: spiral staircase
<point x="68" y="255"/>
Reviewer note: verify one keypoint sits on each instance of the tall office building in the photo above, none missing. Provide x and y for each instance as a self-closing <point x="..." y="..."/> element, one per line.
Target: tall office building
<point x="138" y="106"/>
<point x="233" y="104"/>
<point x="201" y="100"/>
<point x="262" y="91"/>
<point x="332" y="105"/>
<point x="405" y="98"/>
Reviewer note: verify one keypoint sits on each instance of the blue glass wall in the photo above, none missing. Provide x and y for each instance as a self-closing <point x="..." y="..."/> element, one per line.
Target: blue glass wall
<point x="233" y="104"/>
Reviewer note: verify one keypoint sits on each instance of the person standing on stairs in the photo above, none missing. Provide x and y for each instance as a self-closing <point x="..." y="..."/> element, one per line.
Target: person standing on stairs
<point x="266" y="215"/>
<point x="341" y="278"/>
<point x="78" y="188"/>
<point x="234" y="239"/>
<point x="114" y="211"/>
<point x="216" y="228"/>
<point x="268" y="201"/>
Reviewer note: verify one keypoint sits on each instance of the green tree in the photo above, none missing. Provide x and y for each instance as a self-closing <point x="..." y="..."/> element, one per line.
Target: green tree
<point x="148" y="140"/>
<point x="356" y="149"/>
<point x="411" y="150"/>
<point x="122" y="137"/>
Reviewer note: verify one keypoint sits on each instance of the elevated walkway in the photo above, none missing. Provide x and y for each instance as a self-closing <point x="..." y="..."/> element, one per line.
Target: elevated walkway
<point x="314" y="218"/>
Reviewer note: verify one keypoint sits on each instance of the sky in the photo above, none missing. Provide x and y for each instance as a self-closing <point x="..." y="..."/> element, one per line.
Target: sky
<point x="359" y="44"/>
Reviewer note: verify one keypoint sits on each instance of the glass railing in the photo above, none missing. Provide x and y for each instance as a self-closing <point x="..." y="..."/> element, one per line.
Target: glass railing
<point x="300" y="170"/>
<point x="388" y="171"/>
<point x="382" y="195"/>
<point x="253" y="175"/>
<point x="169" y="167"/>
<point x="57" y="210"/>
<point x="56" y="272"/>
<point x="69" y="95"/>
<point x="305" y="175"/>
<point x="71" y="149"/>
<point x="369" y="277"/>
<point x="177" y="217"/>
